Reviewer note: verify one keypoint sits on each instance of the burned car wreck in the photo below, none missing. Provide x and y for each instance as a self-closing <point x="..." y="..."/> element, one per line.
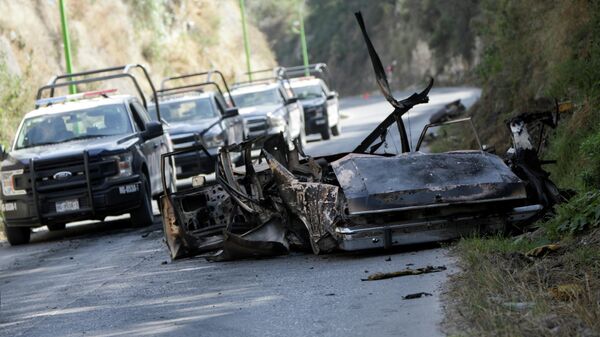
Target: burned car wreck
<point x="367" y="198"/>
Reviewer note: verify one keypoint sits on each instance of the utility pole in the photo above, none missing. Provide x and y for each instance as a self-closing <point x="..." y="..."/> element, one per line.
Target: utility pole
<point x="66" y="41"/>
<point x="246" y="44"/>
<point x="303" y="37"/>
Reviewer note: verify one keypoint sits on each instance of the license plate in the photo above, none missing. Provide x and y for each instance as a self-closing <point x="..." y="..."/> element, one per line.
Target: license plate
<point x="132" y="188"/>
<point x="67" y="205"/>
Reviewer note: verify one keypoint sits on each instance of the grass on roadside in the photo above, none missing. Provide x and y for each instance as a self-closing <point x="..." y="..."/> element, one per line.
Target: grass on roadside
<point x="503" y="292"/>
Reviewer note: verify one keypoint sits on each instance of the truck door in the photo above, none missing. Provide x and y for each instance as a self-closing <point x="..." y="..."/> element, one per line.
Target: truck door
<point x="151" y="148"/>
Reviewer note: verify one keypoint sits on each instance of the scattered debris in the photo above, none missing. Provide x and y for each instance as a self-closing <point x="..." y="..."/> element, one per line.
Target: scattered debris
<point x="330" y="294"/>
<point x="388" y="259"/>
<point x="415" y="295"/>
<point x="543" y="250"/>
<point x="164" y="262"/>
<point x="405" y="272"/>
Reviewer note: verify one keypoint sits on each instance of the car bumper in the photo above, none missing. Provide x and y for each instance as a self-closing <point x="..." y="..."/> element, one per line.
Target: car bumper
<point x="115" y="198"/>
<point x="434" y="230"/>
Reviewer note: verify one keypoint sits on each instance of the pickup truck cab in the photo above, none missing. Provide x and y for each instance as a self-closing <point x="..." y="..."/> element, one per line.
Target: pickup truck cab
<point x="81" y="157"/>
<point x="268" y="109"/>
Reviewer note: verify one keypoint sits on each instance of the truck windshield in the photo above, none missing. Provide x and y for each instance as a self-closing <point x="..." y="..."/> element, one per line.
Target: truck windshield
<point x="256" y="98"/>
<point x="188" y="110"/>
<point x="308" y="91"/>
<point x="102" y="121"/>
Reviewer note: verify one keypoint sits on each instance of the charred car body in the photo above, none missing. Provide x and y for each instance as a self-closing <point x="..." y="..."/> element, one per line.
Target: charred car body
<point x="83" y="156"/>
<point x="320" y="104"/>
<point x="198" y="113"/>
<point x="368" y="198"/>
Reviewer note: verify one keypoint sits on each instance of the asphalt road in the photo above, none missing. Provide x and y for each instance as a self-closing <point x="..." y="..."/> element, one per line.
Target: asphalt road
<point x="105" y="279"/>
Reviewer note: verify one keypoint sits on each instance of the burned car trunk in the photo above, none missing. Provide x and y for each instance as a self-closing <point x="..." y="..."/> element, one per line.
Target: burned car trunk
<point x="350" y="201"/>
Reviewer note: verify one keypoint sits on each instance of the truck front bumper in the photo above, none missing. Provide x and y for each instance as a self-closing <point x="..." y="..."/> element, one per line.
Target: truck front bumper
<point x="113" y="198"/>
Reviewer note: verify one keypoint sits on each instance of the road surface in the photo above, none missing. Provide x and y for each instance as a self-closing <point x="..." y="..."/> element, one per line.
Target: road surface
<point x="105" y="279"/>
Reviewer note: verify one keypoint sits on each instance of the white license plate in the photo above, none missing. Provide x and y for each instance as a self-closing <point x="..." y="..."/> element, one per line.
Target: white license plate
<point x="132" y="188"/>
<point x="67" y="205"/>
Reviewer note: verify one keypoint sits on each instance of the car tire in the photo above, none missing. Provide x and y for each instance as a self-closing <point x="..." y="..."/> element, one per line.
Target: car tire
<point x="17" y="235"/>
<point x="143" y="215"/>
<point x="56" y="227"/>
<point x="325" y="132"/>
<point x="336" y="130"/>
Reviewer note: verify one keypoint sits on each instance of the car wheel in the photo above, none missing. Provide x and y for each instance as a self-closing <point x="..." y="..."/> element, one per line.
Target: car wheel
<point x="336" y="130"/>
<point x="56" y="227"/>
<point x="143" y="215"/>
<point x="325" y="132"/>
<point x="17" y="235"/>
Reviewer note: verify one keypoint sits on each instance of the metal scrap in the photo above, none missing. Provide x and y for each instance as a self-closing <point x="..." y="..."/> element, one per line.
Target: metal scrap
<point x="404" y="272"/>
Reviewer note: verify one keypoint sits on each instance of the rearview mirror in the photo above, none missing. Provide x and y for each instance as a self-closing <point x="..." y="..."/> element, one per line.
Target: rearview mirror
<point x="153" y="129"/>
<point x="291" y="100"/>
<point x="231" y="112"/>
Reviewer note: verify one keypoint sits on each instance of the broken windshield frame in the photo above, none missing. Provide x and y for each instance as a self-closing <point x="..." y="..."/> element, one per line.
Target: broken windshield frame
<point x="456" y="121"/>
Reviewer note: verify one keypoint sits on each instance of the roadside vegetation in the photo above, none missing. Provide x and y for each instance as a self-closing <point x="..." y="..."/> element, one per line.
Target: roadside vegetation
<point x="538" y="49"/>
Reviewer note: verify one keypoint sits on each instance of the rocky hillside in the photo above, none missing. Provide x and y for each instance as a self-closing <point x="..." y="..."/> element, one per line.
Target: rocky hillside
<point x="170" y="36"/>
<point x="417" y="38"/>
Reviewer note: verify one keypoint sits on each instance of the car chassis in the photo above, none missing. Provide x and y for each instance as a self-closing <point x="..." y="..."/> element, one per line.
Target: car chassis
<point x="350" y="201"/>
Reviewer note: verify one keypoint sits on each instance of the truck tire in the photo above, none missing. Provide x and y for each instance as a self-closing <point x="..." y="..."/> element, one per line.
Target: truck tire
<point x="56" y="227"/>
<point x="336" y="130"/>
<point x="325" y="132"/>
<point x="17" y="235"/>
<point x="143" y="215"/>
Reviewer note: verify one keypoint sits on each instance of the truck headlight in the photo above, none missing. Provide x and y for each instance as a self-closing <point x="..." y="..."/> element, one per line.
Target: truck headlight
<point x="277" y="118"/>
<point x="8" y="183"/>
<point x="214" y="137"/>
<point x="124" y="164"/>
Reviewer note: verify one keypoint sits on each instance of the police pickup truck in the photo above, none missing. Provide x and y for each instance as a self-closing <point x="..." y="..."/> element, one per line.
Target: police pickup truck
<point x="199" y="116"/>
<point x="83" y="156"/>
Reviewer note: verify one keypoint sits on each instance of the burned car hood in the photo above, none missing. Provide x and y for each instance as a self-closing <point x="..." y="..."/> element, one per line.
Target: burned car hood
<point x="176" y="129"/>
<point x="373" y="183"/>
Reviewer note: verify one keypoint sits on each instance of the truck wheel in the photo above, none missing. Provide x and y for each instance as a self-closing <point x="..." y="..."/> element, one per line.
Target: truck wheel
<point x="336" y="130"/>
<point x="325" y="132"/>
<point x="56" y="227"/>
<point x="17" y="235"/>
<point x="143" y="215"/>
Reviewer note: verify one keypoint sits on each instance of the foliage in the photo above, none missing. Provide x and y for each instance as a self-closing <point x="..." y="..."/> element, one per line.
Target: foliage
<point x="396" y="27"/>
<point x="578" y="215"/>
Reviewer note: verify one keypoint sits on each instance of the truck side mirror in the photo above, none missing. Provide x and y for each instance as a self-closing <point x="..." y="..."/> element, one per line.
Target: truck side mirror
<point x="153" y="129"/>
<point x="3" y="153"/>
<point x="332" y="95"/>
<point x="291" y="100"/>
<point x="231" y="112"/>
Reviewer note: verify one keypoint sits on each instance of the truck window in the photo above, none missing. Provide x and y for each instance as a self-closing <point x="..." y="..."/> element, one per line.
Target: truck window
<point x="101" y="121"/>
